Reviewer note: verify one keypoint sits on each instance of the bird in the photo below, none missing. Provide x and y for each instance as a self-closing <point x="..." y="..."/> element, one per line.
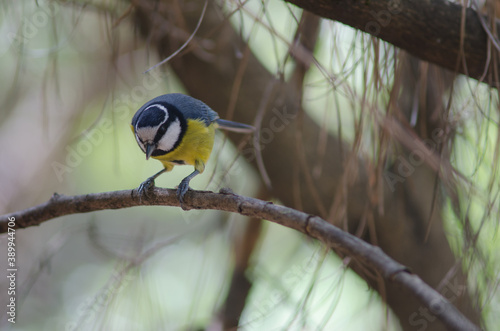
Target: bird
<point x="177" y="129"/>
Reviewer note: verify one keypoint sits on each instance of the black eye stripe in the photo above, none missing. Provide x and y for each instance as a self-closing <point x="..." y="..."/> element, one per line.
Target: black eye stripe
<point x="173" y="115"/>
<point x="162" y="129"/>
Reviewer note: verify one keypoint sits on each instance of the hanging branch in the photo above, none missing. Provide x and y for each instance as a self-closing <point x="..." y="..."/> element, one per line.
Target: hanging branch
<point x="437" y="31"/>
<point x="370" y="256"/>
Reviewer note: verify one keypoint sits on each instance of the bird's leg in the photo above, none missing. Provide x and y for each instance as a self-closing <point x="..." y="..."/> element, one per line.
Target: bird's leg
<point x="184" y="186"/>
<point x="149" y="183"/>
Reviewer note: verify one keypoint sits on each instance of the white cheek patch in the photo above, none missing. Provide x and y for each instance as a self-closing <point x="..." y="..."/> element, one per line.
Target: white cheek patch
<point x="171" y="136"/>
<point x="148" y="133"/>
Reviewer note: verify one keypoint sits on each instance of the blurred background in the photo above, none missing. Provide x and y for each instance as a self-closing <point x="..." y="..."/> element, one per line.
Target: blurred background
<point x="395" y="150"/>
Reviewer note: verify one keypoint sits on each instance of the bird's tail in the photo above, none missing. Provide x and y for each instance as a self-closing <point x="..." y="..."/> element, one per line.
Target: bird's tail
<point x="235" y="126"/>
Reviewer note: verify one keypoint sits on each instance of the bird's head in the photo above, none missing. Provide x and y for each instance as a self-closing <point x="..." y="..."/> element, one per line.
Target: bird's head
<point x="158" y="128"/>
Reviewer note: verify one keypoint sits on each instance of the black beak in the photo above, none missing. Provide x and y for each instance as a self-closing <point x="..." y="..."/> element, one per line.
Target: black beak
<point x="150" y="148"/>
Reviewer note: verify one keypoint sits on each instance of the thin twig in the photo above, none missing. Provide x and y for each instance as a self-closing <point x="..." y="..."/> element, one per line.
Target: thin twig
<point x="183" y="45"/>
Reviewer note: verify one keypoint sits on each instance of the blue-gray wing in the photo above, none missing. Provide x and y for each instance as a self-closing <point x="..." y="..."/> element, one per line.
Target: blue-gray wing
<point x="190" y="107"/>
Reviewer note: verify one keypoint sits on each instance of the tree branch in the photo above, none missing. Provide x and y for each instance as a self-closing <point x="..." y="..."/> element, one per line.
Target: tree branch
<point x="430" y="30"/>
<point x="371" y="256"/>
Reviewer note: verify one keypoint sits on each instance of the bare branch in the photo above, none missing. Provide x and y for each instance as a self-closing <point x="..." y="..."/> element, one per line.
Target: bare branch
<point x="372" y="257"/>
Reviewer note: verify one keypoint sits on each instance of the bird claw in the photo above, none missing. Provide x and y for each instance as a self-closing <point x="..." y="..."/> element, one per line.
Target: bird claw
<point x="146" y="187"/>
<point x="182" y="190"/>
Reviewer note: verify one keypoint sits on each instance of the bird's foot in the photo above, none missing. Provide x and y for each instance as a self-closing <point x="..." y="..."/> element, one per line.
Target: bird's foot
<point x="182" y="190"/>
<point x="146" y="187"/>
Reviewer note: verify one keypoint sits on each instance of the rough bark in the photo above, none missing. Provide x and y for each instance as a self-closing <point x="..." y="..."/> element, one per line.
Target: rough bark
<point x="437" y="31"/>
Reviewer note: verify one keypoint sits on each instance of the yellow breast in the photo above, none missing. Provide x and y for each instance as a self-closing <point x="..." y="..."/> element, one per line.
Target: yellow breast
<point x="194" y="149"/>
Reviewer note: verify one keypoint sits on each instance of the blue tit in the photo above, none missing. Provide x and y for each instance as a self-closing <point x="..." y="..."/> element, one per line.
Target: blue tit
<point x="177" y="129"/>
